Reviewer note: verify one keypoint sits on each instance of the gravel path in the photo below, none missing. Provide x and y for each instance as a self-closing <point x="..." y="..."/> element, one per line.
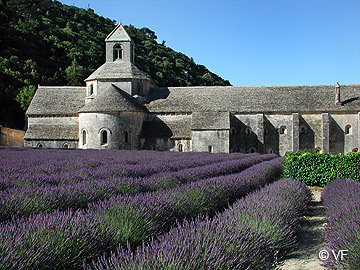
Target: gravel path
<point x="311" y="241"/>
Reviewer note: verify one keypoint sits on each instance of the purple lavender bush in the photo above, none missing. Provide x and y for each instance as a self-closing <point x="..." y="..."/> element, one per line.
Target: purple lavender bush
<point x="211" y="195"/>
<point x="61" y="240"/>
<point x="141" y="217"/>
<point x="134" y="218"/>
<point x="246" y="236"/>
<point x="118" y="220"/>
<point x="42" y="197"/>
<point x="341" y="198"/>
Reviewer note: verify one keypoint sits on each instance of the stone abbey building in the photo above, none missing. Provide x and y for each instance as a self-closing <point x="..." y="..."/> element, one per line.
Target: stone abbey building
<point x="121" y="108"/>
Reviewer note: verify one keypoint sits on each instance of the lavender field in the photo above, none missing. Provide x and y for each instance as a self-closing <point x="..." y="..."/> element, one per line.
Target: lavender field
<point x="76" y="209"/>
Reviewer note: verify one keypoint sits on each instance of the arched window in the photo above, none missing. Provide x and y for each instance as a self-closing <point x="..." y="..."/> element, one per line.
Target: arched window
<point x="348" y="130"/>
<point x="153" y="147"/>
<point x="271" y="151"/>
<point x="317" y="149"/>
<point x="103" y="137"/>
<point x="233" y="131"/>
<point x="127" y="136"/>
<point x="117" y="52"/>
<point x="247" y="130"/>
<point x="355" y="150"/>
<point x="181" y="147"/>
<point x="65" y="145"/>
<point x="252" y="150"/>
<point x="40" y="145"/>
<point x="282" y="130"/>
<point x="303" y="130"/>
<point x="210" y="148"/>
<point x="84" y="137"/>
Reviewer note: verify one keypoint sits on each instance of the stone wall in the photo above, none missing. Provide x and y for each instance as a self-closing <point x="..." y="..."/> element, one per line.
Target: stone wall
<point x="214" y="141"/>
<point x="11" y="137"/>
<point x="74" y="120"/>
<point x="340" y="140"/>
<point x="51" y="143"/>
<point x="279" y="135"/>
<point x="244" y="133"/>
<point x="115" y="124"/>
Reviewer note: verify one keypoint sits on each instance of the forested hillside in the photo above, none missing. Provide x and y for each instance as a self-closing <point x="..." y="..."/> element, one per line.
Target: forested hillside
<point x="48" y="43"/>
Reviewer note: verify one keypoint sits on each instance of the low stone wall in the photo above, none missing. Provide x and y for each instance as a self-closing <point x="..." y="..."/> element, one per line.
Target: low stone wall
<point x="11" y="137"/>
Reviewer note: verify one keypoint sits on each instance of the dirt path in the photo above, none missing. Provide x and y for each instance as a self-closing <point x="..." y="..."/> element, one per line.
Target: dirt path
<point x="310" y="238"/>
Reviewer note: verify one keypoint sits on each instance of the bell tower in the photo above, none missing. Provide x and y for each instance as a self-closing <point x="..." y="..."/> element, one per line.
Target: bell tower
<point x="119" y="68"/>
<point x="119" y="46"/>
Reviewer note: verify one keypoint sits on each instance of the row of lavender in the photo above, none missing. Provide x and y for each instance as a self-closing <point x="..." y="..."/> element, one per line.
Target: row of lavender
<point x="32" y="167"/>
<point x="341" y="198"/>
<point x="255" y="233"/>
<point x="64" y="240"/>
<point x="23" y="201"/>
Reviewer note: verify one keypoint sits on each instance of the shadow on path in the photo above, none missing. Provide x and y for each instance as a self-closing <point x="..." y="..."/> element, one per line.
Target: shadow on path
<point x="310" y="238"/>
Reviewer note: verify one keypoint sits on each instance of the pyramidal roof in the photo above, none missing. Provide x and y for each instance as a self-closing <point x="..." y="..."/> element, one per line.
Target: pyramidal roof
<point x="118" y="34"/>
<point x="113" y="99"/>
<point x="117" y="70"/>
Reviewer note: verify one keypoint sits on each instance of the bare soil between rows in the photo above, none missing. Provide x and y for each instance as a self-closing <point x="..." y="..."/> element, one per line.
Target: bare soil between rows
<point x="310" y="238"/>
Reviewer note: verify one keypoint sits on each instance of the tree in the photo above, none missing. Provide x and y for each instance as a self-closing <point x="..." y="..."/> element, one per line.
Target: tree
<point x="75" y="74"/>
<point x="25" y="96"/>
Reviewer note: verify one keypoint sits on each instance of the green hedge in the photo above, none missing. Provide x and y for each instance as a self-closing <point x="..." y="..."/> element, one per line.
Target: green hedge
<point x="317" y="169"/>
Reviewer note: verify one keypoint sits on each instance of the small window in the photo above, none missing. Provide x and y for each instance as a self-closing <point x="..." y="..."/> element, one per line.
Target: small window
<point x="117" y="52"/>
<point x="355" y="150"/>
<point x="210" y="148"/>
<point x="247" y="130"/>
<point x="317" y="149"/>
<point x="252" y="150"/>
<point x="348" y="130"/>
<point x="271" y="151"/>
<point x="181" y="147"/>
<point x="127" y="136"/>
<point x="104" y="137"/>
<point x="40" y="145"/>
<point x="266" y="131"/>
<point x="90" y="89"/>
<point x="65" y="145"/>
<point x="282" y="130"/>
<point x="84" y="137"/>
<point x="303" y="130"/>
<point x="152" y="147"/>
<point x="233" y="131"/>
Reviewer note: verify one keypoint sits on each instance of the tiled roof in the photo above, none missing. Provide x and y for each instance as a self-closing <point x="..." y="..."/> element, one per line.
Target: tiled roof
<point x="118" y="34"/>
<point x="52" y="132"/>
<point x="117" y="70"/>
<point x="56" y="100"/>
<point x="254" y="99"/>
<point x="113" y="99"/>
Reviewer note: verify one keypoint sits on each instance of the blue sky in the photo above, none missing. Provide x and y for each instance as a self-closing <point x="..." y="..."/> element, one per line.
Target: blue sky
<point x="253" y="42"/>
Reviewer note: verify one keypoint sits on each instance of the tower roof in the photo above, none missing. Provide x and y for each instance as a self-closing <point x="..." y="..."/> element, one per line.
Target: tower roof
<point x="118" y="34"/>
<point x="113" y="99"/>
<point x="117" y="70"/>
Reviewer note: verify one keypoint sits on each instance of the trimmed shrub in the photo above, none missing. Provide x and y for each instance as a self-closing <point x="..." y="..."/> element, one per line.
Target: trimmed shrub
<point x="317" y="169"/>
